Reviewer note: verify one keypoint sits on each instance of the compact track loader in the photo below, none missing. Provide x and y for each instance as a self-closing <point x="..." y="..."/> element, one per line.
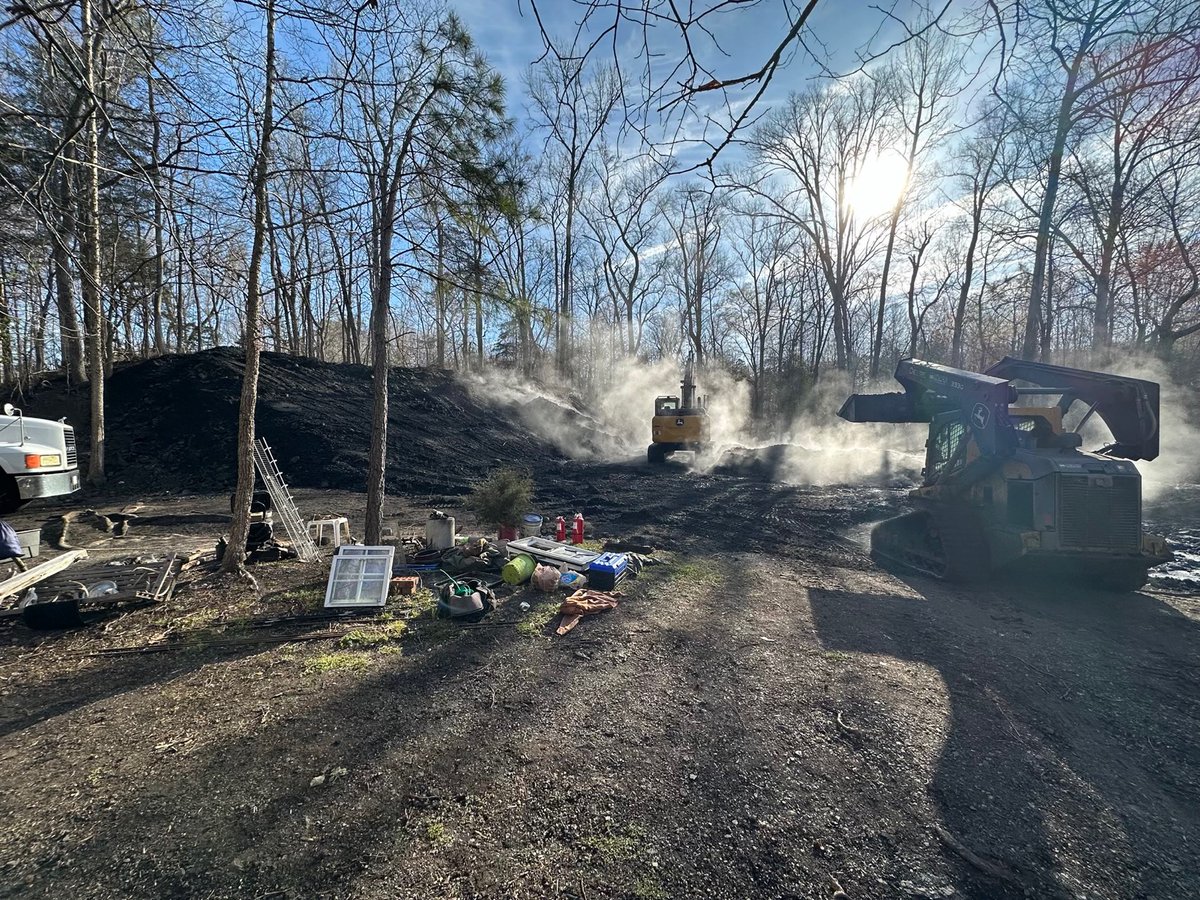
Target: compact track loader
<point x="1008" y="487"/>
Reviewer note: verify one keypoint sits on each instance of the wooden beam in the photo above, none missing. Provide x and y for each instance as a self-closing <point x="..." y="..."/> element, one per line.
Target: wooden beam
<point x="22" y="581"/>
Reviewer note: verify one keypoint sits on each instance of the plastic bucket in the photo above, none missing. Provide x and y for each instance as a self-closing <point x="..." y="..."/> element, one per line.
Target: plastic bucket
<point x="439" y="533"/>
<point x="518" y="570"/>
<point x="531" y="526"/>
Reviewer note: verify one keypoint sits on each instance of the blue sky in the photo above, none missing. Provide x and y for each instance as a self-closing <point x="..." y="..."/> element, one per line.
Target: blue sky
<point x="507" y="32"/>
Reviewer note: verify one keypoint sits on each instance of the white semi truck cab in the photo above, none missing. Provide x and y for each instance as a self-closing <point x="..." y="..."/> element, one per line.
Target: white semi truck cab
<point x="37" y="459"/>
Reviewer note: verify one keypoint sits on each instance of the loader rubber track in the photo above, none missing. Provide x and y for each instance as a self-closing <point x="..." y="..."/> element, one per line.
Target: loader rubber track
<point x="947" y="543"/>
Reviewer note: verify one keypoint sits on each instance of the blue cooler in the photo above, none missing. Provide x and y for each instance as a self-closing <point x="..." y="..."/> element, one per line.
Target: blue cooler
<point x="606" y="571"/>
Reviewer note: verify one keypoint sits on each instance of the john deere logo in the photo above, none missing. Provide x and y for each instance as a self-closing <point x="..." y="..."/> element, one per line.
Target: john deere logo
<point x="679" y="421"/>
<point x="980" y="416"/>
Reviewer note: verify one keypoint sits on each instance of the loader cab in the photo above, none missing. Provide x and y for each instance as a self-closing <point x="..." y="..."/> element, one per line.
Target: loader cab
<point x="1047" y="419"/>
<point x="951" y="445"/>
<point x="948" y="448"/>
<point x="1041" y="428"/>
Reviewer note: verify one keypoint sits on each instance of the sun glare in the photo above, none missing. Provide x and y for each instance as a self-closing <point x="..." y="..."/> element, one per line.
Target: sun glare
<point x="878" y="185"/>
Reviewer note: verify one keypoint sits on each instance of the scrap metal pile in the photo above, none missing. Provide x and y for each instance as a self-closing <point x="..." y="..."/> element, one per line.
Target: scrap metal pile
<point x="60" y="593"/>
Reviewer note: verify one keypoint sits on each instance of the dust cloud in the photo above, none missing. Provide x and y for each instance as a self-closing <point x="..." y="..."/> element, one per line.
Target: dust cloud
<point x="1179" y="433"/>
<point x="814" y="448"/>
<point x="559" y="418"/>
<point x="819" y="448"/>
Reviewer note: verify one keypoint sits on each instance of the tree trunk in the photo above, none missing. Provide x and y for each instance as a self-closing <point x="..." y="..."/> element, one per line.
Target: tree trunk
<point x="6" y="326"/>
<point x="1037" y="290"/>
<point x="563" y="337"/>
<point x="465" y="345"/>
<point x="439" y="296"/>
<point x="523" y="315"/>
<point x="479" y="301"/>
<point x="39" y="335"/>
<point x="841" y="337"/>
<point x="93" y="313"/>
<point x="1102" y="321"/>
<point x="1164" y="345"/>
<point x="235" y="553"/>
<point x="877" y="341"/>
<point x="914" y="321"/>
<point x="344" y="262"/>
<point x="179" y="314"/>
<point x="1047" y="329"/>
<point x="160" y="244"/>
<point x="377" y="458"/>
<point x="964" y="291"/>
<point x="68" y="318"/>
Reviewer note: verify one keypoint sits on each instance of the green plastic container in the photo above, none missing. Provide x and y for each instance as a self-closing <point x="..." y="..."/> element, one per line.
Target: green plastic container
<point x="518" y="570"/>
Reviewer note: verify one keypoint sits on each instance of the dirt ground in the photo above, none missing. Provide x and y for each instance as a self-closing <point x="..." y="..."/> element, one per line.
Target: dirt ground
<point x="767" y="714"/>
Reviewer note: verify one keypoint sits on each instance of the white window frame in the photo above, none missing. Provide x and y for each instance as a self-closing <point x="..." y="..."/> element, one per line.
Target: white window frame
<point x="346" y="558"/>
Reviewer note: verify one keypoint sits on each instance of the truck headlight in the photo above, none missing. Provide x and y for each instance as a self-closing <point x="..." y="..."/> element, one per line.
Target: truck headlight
<point x="48" y="460"/>
<point x="52" y="459"/>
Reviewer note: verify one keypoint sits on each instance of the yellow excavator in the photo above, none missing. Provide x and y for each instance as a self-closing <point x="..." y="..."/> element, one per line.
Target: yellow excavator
<point x="680" y="423"/>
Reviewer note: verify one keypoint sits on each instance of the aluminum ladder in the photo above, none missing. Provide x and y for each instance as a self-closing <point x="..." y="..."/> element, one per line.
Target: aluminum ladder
<point x="282" y="502"/>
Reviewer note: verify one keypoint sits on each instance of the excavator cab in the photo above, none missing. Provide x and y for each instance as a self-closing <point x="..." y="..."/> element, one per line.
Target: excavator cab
<point x="666" y="406"/>
<point x="1006" y="485"/>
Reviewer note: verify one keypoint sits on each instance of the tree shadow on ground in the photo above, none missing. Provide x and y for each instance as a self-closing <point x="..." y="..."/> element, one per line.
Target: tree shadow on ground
<point x="417" y="734"/>
<point x="563" y="754"/>
<point x="97" y="679"/>
<point x="760" y="782"/>
<point x="1070" y="759"/>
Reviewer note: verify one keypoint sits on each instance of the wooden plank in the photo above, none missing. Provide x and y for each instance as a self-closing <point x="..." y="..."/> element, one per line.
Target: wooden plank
<point x="22" y="581"/>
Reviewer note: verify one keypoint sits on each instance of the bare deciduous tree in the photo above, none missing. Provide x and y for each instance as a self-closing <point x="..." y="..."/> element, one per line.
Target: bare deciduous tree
<point x="1087" y="40"/>
<point x="235" y="551"/>
<point x="817" y="144"/>
<point x="574" y="113"/>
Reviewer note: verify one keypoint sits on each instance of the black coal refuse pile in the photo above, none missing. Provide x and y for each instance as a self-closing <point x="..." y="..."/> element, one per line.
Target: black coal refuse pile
<point x="171" y="425"/>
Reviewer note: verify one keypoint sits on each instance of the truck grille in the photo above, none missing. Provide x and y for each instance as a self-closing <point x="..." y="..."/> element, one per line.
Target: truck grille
<point x="69" y="436"/>
<point x="1100" y="512"/>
